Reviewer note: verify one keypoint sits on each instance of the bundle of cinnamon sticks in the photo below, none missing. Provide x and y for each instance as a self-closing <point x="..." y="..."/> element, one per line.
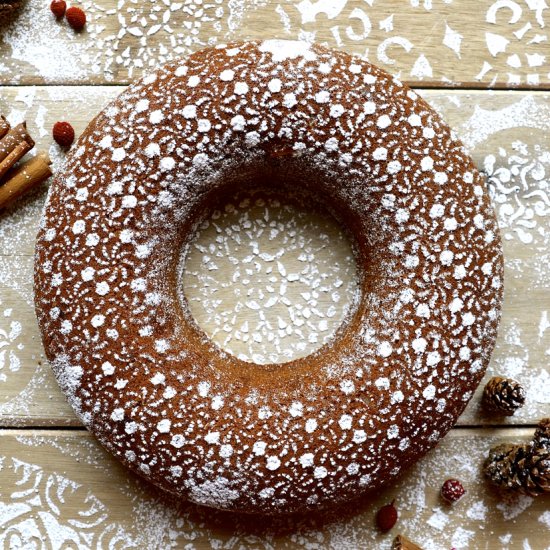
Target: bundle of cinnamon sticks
<point x="18" y="178"/>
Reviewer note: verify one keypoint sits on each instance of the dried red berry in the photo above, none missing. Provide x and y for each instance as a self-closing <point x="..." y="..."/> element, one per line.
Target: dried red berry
<point x="452" y="491"/>
<point x="386" y="517"/>
<point x="76" y="18"/>
<point x="63" y="133"/>
<point x="58" y="8"/>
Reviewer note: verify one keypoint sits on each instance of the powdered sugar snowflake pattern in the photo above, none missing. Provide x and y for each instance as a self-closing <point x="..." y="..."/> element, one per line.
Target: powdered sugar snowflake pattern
<point x="508" y="45"/>
<point x="36" y="505"/>
<point x="10" y="343"/>
<point x="520" y="188"/>
<point x="132" y="37"/>
<point x="45" y="509"/>
<point x="246" y="261"/>
<point x="253" y="131"/>
<point x="519" y="183"/>
<point x="93" y="505"/>
<point x="517" y="34"/>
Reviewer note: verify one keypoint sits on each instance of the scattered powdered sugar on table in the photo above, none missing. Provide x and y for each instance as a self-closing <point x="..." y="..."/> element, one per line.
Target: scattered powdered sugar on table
<point x="518" y="367"/>
<point x="523" y="174"/>
<point x="123" y="40"/>
<point x="518" y="174"/>
<point x="519" y="183"/>
<point x="269" y="281"/>
<point x="116" y="507"/>
<point x="26" y="383"/>
<point x="513" y="509"/>
<point x="477" y="511"/>
<point x="35" y="38"/>
<point x="130" y="37"/>
<point x="10" y="343"/>
<point x="51" y="507"/>
<point x="438" y="520"/>
<point x="544" y="518"/>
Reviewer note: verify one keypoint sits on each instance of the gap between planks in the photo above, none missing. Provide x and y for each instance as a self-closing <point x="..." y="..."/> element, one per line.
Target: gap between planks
<point x="415" y="85"/>
<point x="523" y="430"/>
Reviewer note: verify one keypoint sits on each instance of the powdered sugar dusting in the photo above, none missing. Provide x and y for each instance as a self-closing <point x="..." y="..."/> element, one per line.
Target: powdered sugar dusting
<point x="268" y="281"/>
<point x="506" y="47"/>
<point x="517" y="352"/>
<point x="119" y="508"/>
<point x="24" y="378"/>
<point x="518" y="177"/>
<point x="281" y="50"/>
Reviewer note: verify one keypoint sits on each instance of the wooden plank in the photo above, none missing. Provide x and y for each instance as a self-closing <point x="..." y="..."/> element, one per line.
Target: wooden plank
<point x="514" y="128"/>
<point x="29" y="394"/>
<point x="62" y="488"/>
<point x="474" y="43"/>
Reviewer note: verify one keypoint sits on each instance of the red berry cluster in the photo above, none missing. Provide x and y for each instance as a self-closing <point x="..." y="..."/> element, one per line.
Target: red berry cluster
<point x="75" y="16"/>
<point x="452" y="491"/>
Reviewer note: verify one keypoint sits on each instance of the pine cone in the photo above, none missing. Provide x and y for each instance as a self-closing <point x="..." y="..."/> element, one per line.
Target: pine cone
<point x="8" y="8"/>
<point x="522" y="468"/>
<point x="503" y="395"/>
<point x="542" y="434"/>
<point x="536" y="471"/>
<point x="499" y="466"/>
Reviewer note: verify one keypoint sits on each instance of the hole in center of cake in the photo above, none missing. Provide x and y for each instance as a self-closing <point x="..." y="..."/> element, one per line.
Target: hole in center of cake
<point x="268" y="278"/>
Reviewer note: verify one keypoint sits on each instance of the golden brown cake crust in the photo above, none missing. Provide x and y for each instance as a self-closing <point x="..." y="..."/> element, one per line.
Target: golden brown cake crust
<point x="149" y="384"/>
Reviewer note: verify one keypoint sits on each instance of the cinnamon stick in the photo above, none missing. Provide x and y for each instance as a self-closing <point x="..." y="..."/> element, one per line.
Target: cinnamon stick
<point x="13" y="137"/>
<point x="24" y="178"/>
<point x="4" y="126"/>
<point x="13" y="146"/>
<point x="20" y="150"/>
<point x="403" y="543"/>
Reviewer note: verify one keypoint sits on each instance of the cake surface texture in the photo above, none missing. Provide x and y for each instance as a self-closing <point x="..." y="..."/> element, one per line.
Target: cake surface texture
<point x="150" y="385"/>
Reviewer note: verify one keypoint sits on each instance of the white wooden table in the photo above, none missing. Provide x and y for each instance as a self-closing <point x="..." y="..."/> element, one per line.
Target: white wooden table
<point x="484" y="64"/>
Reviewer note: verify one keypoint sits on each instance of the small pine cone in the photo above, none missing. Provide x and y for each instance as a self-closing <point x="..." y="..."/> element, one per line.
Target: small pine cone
<point x="7" y="8"/>
<point x="542" y="434"/>
<point x="536" y="472"/>
<point x="499" y="466"/>
<point x="522" y="468"/>
<point x="503" y="395"/>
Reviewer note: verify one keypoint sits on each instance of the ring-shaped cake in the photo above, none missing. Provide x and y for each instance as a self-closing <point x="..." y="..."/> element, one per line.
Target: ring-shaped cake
<point x="146" y="380"/>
